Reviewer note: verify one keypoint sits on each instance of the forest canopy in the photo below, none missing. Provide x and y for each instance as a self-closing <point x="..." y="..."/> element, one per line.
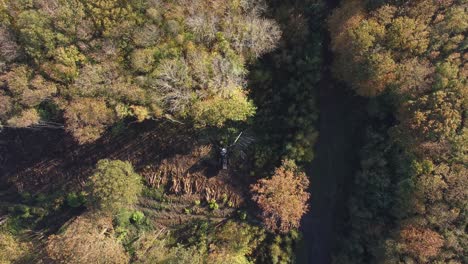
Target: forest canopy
<point x="233" y="131"/>
<point x="94" y="63"/>
<point x="139" y="84"/>
<point x="409" y="57"/>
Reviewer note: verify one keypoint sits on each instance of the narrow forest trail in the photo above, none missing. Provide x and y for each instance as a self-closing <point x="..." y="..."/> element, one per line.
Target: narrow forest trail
<point x="341" y="126"/>
<point x="334" y="166"/>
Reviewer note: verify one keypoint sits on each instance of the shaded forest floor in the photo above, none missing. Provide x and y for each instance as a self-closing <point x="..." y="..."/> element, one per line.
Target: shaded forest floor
<point x="174" y="164"/>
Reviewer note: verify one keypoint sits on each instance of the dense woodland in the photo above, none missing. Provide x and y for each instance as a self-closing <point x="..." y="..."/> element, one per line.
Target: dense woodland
<point x="409" y="199"/>
<point x="113" y="114"/>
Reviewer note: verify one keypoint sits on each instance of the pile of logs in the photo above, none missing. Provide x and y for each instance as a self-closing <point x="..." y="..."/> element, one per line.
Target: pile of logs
<point x="174" y="175"/>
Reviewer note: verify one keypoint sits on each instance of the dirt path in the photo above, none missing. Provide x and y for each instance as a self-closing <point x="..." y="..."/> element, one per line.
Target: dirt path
<point x="335" y="164"/>
<point x="340" y="127"/>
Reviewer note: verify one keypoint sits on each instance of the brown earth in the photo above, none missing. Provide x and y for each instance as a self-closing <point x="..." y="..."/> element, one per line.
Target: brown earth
<point x="164" y="153"/>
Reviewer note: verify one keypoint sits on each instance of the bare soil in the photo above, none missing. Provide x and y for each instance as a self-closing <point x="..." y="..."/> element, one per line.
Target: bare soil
<point x="165" y="153"/>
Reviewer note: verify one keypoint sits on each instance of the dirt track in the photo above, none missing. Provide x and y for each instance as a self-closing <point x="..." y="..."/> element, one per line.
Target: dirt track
<point x="340" y="127"/>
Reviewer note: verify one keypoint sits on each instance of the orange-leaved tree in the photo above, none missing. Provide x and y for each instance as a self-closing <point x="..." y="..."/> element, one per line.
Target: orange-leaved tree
<point x="282" y="198"/>
<point x="420" y="242"/>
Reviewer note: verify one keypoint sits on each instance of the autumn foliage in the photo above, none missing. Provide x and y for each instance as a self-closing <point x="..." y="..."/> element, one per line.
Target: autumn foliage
<point x="421" y="242"/>
<point x="409" y="58"/>
<point x="11" y="249"/>
<point x="282" y="198"/>
<point x="104" y="59"/>
<point x="87" y="239"/>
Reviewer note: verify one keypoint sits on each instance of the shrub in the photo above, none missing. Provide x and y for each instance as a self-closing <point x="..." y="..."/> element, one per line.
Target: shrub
<point x="242" y="215"/>
<point x="225" y="198"/>
<point x="122" y="219"/>
<point x="23" y="211"/>
<point x="213" y="205"/>
<point x="137" y="217"/>
<point x="76" y="199"/>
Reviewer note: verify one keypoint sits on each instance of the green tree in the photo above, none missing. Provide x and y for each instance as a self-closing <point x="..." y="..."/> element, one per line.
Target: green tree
<point x="36" y="34"/>
<point x="114" y="185"/>
<point x="234" y="243"/>
<point x="64" y="64"/>
<point x="153" y="247"/>
<point x="218" y="110"/>
<point x="409" y="35"/>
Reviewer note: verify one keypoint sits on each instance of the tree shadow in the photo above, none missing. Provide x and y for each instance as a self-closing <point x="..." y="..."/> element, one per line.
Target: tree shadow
<point x="44" y="160"/>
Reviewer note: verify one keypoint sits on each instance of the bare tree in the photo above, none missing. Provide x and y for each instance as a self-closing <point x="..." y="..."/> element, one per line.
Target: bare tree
<point x="173" y="82"/>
